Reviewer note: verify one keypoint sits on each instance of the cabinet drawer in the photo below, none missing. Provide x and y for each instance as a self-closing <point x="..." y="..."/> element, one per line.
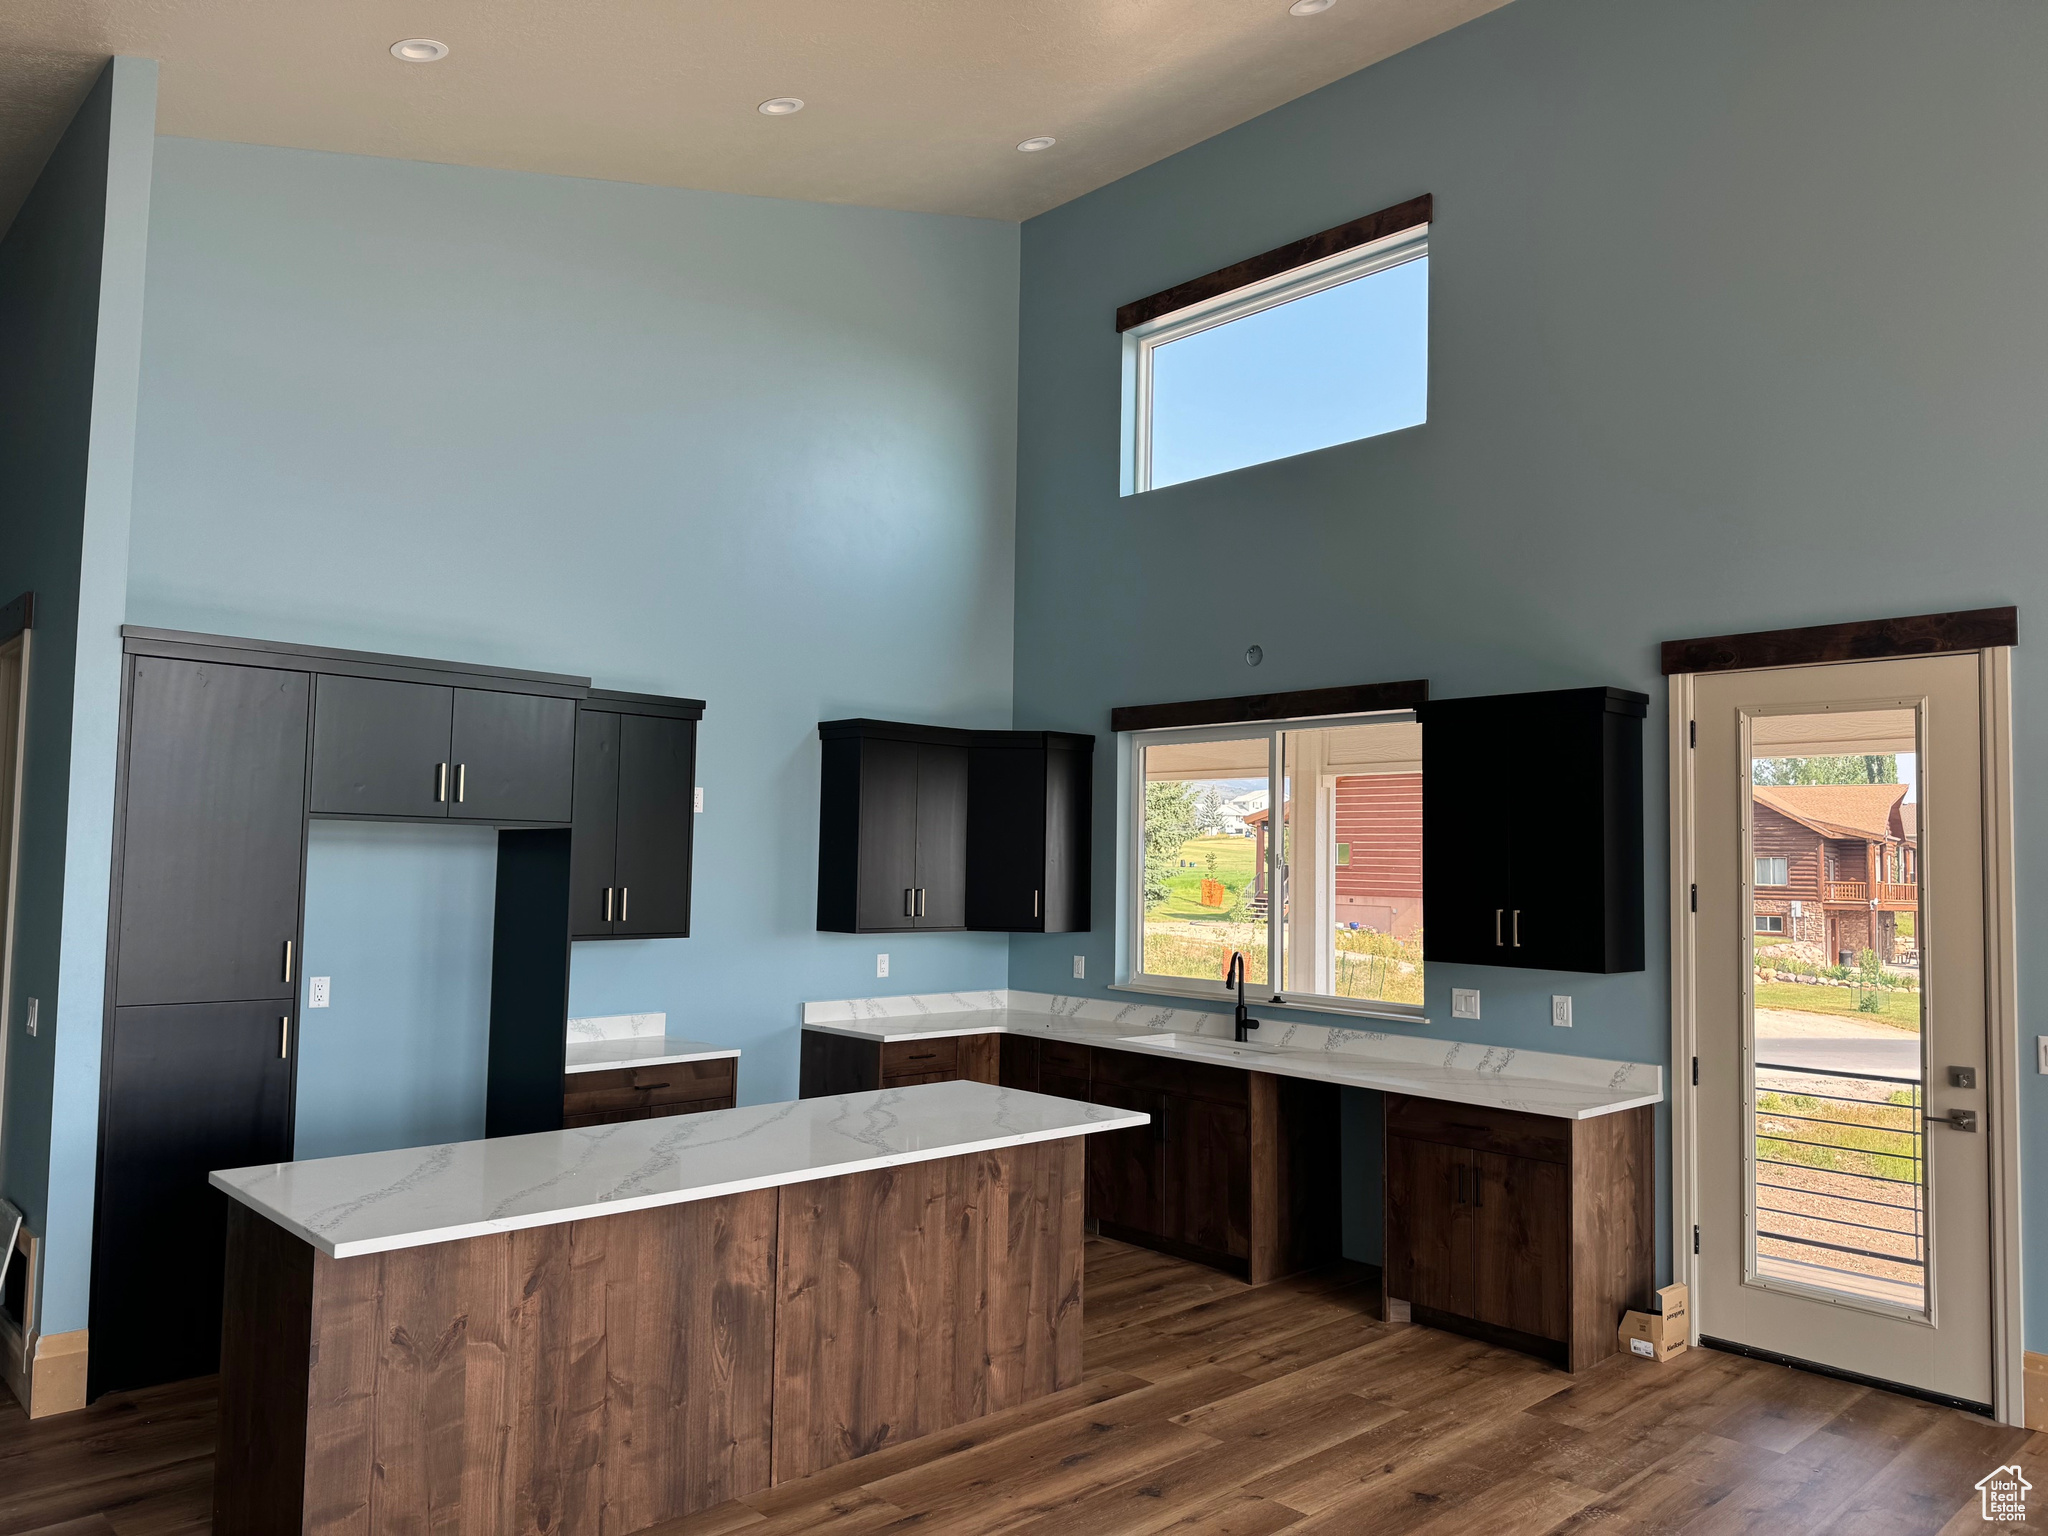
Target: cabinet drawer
<point x="913" y="1079"/>
<point x="919" y="1056"/>
<point x="589" y="1093"/>
<point x="1190" y="1079"/>
<point x="1548" y="1137"/>
<point x="1065" y="1056"/>
<point x="643" y="1112"/>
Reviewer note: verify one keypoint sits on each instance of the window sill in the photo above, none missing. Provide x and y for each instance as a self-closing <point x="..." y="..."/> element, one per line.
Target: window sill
<point x="1336" y="1006"/>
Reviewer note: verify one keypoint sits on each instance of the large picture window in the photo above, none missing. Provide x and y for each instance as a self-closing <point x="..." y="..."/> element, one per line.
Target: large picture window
<point x="1318" y="885"/>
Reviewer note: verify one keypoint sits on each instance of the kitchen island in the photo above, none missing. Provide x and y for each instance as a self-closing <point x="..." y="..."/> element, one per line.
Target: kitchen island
<point x="598" y="1330"/>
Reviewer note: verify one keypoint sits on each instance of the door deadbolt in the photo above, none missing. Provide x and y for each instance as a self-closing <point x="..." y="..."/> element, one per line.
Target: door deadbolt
<point x="1962" y="1077"/>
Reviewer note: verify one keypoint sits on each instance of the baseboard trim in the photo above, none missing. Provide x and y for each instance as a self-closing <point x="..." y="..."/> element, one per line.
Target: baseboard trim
<point x="51" y="1380"/>
<point x="2034" y="1379"/>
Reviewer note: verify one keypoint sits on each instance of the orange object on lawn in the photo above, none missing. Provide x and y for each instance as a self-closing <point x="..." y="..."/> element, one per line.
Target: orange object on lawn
<point x="1214" y="893"/>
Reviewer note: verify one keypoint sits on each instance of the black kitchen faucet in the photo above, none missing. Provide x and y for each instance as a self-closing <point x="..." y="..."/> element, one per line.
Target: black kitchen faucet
<point x="1235" y="977"/>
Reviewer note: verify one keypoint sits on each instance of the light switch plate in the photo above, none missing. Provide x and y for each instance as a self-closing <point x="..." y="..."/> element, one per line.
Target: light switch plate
<point x="1560" y="1011"/>
<point x="881" y="965"/>
<point x="1080" y="967"/>
<point x="1464" y="1002"/>
<point x="698" y="803"/>
<point x="316" y="991"/>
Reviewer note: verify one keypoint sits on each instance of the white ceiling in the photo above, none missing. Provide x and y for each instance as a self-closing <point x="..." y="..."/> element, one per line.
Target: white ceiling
<point x="914" y="104"/>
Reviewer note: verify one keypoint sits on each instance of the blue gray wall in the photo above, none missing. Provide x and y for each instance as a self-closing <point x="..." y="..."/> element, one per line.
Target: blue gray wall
<point x="71" y="274"/>
<point x="398" y="919"/>
<point x="1738" y="321"/>
<point x="755" y="452"/>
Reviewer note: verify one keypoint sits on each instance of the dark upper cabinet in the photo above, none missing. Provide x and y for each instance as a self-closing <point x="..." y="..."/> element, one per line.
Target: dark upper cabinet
<point x="380" y="748"/>
<point x="212" y="837"/>
<point x="925" y="827"/>
<point x="1532" y="830"/>
<point x="636" y="777"/>
<point x="423" y="750"/>
<point x="512" y="755"/>
<point x="188" y="1089"/>
<point x="1030" y="796"/>
<point x="892" y="828"/>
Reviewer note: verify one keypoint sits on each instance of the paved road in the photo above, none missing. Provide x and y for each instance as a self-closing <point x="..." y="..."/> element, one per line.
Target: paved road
<point x="1888" y="1058"/>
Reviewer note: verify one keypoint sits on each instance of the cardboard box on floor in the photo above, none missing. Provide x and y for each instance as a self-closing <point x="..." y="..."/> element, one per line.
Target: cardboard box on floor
<point x="1663" y="1333"/>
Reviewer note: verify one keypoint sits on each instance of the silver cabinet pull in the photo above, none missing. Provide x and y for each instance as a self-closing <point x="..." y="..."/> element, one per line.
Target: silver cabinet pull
<point x="910" y="901"/>
<point x="1518" y="927"/>
<point x="461" y="781"/>
<point x="284" y="1038"/>
<point x="440" y="783"/>
<point x="920" y="901"/>
<point x="1034" y="903"/>
<point x="624" y="892"/>
<point x="287" y="960"/>
<point x="607" y="903"/>
<point x="1498" y="913"/>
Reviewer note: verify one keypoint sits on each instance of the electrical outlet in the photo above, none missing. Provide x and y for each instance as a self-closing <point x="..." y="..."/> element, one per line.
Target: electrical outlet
<point x="881" y="965"/>
<point x="35" y="1008"/>
<point x="1560" y="1011"/>
<point x="1080" y="967"/>
<point x="698" y="803"/>
<point x="1464" y="1002"/>
<point x="316" y="991"/>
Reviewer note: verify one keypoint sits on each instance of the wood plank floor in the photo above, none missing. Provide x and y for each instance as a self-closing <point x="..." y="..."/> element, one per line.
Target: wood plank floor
<point x="1212" y="1407"/>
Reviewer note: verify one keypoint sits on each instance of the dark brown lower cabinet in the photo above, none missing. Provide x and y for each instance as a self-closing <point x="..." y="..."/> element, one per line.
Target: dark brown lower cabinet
<point x="843" y="1064"/>
<point x="1532" y="1231"/>
<point x="647" y="1093"/>
<point x="1237" y="1169"/>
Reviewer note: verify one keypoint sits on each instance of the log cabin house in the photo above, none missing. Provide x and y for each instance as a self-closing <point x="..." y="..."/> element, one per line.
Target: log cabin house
<point x="1835" y="865"/>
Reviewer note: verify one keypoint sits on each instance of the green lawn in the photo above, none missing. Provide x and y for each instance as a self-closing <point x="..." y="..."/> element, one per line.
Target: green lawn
<point x="1235" y="857"/>
<point x="1901" y="1009"/>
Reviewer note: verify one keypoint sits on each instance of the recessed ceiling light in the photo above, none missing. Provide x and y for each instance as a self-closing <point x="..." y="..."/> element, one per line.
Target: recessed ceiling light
<point x="1033" y="146"/>
<point x="781" y="106"/>
<point x="1309" y="7"/>
<point x="419" y="50"/>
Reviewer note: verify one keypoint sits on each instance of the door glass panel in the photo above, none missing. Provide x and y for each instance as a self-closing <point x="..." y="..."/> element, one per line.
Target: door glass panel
<point x="1205" y="868"/>
<point x="1837" y="1187"/>
<point x="1351" y="861"/>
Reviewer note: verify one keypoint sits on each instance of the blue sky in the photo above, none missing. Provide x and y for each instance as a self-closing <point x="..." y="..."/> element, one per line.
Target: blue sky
<point x="1349" y="362"/>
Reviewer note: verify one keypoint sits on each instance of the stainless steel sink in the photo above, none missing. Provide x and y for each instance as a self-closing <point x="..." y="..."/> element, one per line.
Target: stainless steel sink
<point x="1204" y="1045"/>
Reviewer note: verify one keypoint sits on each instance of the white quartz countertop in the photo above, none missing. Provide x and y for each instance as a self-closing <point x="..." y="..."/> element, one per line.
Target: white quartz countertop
<point x="1576" y="1088"/>
<point x="641" y="1051"/>
<point x="374" y="1202"/>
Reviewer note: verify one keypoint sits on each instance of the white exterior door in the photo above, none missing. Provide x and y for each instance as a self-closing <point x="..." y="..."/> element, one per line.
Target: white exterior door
<point x="1840" y="975"/>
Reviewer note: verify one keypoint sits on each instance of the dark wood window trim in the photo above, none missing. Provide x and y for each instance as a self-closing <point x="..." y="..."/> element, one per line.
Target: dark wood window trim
<point x="1303" y="704"/>
<point x="1924" y="634"/>
<point x="1297" y="253"/>
<point x="17" y="616"/>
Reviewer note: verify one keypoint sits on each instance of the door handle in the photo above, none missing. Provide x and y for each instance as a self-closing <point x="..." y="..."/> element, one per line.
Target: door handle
<point x="1517" y="930"/>
<point x="461" y="781"/>
<point x="440" y="783"/>
<point x="1956" y="1120"/>
<point x="284" y="1038"/>
<point x="910" y="901"/>
<point x="607" y="903"/>
<point x="624" y="892"/>
<point x="287" y="960"/>
<point x="920" y="902"/>
<point x="1498" y="913"/>
<point x="1034" y="903"/>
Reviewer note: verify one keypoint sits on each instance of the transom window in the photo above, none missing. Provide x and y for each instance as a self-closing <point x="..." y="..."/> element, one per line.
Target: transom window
<point x="1319" y="885"/>
<point x="1325" y="353"/>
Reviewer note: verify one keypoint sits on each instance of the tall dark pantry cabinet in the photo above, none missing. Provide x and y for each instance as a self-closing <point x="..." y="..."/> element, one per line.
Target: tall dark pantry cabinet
<point x="228" y="748"/>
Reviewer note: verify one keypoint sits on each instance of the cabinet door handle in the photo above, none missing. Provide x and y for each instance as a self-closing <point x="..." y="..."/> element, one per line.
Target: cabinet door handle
<point x="287" y="960"/>
<point x="1034" y="903"/>
<point x="461" y="781"/>
<point x="1498" y="913"/>
<point x="440" y="783"/>
<point x="910" y="901"/>
<point x="1518" y="927"/>
<point x="624" y="892"/>
<point x="920" y="902"/>
<point x="607" y="903"/>
<point x="284" y="1038"/>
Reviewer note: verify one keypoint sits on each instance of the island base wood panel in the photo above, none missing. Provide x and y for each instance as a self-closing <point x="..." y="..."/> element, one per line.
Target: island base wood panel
<point x="913" y="1299"/>
<point x="609" y="1374"/>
